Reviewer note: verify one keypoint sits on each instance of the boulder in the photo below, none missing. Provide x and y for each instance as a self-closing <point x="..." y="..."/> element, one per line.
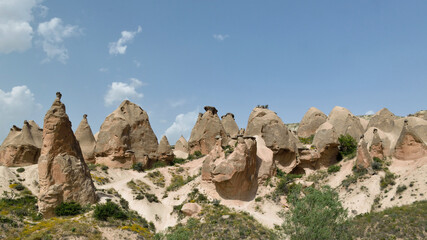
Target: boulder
<point x="205" y="131"/>
<point x="345" y="122"/>
<point x="363" y="158"/>
<point x="126" y="137"/>
<point x="265" y="123"/>
<point x="265" y="163"/>
<point x="63" y="173"/>
<point x="235" y="175"/>
<point x="311" y="121"/>
<point x="86" y="140"/>
<point x="191" y="209"/>
<point x="376" y="148"/>
<point x="230" y="125"/>
<point x="21" y="147"/>
<point x="383" y="120"/>
<point x="409" y="145"/>
<point x="164" y="151"/>
<point x="181" y="145"/>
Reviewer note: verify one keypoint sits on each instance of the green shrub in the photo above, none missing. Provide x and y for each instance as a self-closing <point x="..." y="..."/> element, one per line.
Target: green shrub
<point x="20" y="170"/>
<point x="198" y="154"/>
<point x="68" y="209"/>
<point x="348" y="146"/>
<point x="109" y="209"/>
<point x="307" y="140"/>
<point x="400" y="188"/>
<point x="178" y="161"/>
<point x="104" y="168"/>
<point x="138" y="167"/>
<point x="388" y="179"/>
<point x="334" y="168"/>
<point x="19" y="187"/>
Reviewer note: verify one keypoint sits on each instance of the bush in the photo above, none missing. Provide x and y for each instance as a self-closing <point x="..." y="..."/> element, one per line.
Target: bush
<point x="20" y="170"/>
<point x="400" y="188"/>
<point x="334" y="168"/>
<point x="104" y="211"/>
<point x="68" y="209"/>
<point x="317" y="215"/>
<point x="198" y="154"/>
<point x="138" y="167"/>
<point x="307" y="140"/>
<point x="19" y="187"/>
<point x="178" y="161"/>
<point x="348" y="145"/>
<point x="388" y="179"/>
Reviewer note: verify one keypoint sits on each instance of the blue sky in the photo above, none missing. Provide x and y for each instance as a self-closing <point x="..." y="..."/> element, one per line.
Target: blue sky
<point x="174" y="57"/>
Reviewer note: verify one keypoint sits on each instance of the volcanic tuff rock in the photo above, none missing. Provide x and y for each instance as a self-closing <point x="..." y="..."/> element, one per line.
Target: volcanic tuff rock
<point x="126" y="137"/>
<point x="204" y="133"/>
<point x="345" y="122"/>
<point x="22" y="147"/>
<point x="269" y="126"/>
<point x="376" y="149"/>
<point x="86" y="139"/>
<point x="235" y="175"/>
<point x="230" y="125"/>
<point x="383" y="120"/>
<point x="164" y="151"/>
<point x="191" y="209"/>
<point x="311" y="121"/>
<point x="363" y="158"/>
<point x="265" y="162"/>
<point x="181" y="145"/>
<point x="410" y="145"/>
<point x="63" y="174"/>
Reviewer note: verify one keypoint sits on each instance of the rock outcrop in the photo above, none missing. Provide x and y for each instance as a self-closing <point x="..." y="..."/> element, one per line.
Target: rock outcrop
<point x="63" y="173"/>
<point x="230" y="125"/>
<point x="377" y="148"/>
<point x="21" y="147"/>
<point x="269" y="126"/>
<point x="265" y="162"/>
<point x="181" y="145"/>
<point x="311" y="121"/>
<point x="86" y="140"/>
<point x="205" y="131"/>
<point x="235" y="175"/>
<point x="409" y="145"/>
<point x="363" y="158"/>
<point x="383" y="120"/>
<point x="345" y="122"/>
<point x="164" y="152"/>
<point x="126" y="137"/>
<point x="191" y="209"/>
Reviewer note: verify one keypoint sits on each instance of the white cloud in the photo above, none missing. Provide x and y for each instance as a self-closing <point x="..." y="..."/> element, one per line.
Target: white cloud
<point x="370" y="112"/>
<point x="120" y="46"/>
<point x="16" y="106"/>
<point x="16" y="33"/>
<point x="177" y="103"/>
<point x="103" y="69"/>
<point x="119" y="91"/>
<point x="53" y="33"/>
<point x="220" y="37"/>
<point x="182" y="125"/>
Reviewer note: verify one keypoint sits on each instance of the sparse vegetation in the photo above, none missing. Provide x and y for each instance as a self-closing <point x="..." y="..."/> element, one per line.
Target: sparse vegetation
<point x="401" y="188"/>
<point x="388" y="179"/>
<point x="347" y="147"/>
<point x="20" y="170"/>
<point x="334" y="168"/>
<point x="140" y="189"/>
<point x="307" y="140"/>
<point x="262" y="106"/>
<point x="68" y="209"/>
<point x="139" y="167"/>
<point x="317" y="176"/>
<point x="228" y="150"/>
<point x="178" y="181"/>
<point x="352" y="178"/>
<point x="178" y="161"/>
<point x="157" y="178"/>
<point x="109" y="210"/>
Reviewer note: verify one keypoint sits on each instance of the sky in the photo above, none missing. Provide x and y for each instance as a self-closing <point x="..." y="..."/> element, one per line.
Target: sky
<point x="172" y="58"/>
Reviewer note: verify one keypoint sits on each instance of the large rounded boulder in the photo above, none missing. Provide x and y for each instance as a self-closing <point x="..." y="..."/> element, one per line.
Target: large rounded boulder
<point x="311" y="121"/>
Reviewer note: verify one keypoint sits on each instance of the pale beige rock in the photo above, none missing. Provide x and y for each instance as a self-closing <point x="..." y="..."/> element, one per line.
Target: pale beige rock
<point x="345" y="122"/>
<point x="383" y="120"/>
<point x="164" y="151"/>
<point x="326" y="142"/>
<point x="265" y="162"/>
<point x="86" y="139"/>
<point x="63" y="174"/>
<point x="22" y="146"/>
<point x="181" y="145"/>
<point x="363" y="158"/>
<point x="409" y="146"/>
<point x="235" y="175"/>
<point x="277" y="137"/>
<point x="126" y="137"/>
<point x="311" y="121"/>
<point x="205" y="131"/>
<point x="230" y="125"/>
<point x="376" y="149"/>
<point x="191" y="209"/>
<point x="421" y="114"/>
<point x="364" y="123"/>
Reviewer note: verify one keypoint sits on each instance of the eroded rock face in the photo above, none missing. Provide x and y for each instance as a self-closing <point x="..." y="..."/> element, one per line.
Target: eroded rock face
<point x="269" y="126"/>
<point x="265" y="161"/>
<point x="230" y="125"/>
<point x="205" y="131"/>
<point x="164" y="151"/>
<point x="235" y="175"/>
<point x="63" y="174"/>
<point x="126" y="137"/>
<point x="383" y="120"/>
<point x="181" y="145"/>
<point x="86" y="140"/>
<point x="363" y="158"/>
<point x="376" y="149"/>
<point x="311" y="121"/>
<point x="22" y="146"/>
<point x="345" y="122"/>
<point x="409" y="146"/>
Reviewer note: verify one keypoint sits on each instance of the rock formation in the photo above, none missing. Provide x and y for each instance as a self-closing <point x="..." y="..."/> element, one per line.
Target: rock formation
<point x="376" y="149"/>
<point x="409" y="145"/>
<point x="204" y="133"/>
<point x="311" y="121"/>
<point x="383" y="120"/>
<point x="164" y="151"/>
<point x="191" y="209"/>
<point x="269" y="126"/>
<point x="265" y="162"/>
<point x="230" y="125"/>
<point x="235" y="175"/>
<point x="63" y="174"/>
<point x="126" y="137"/>
<point x="421" y="114"/>
<point x="86" y="140"/>
<point x="345" y="122"/>
<point x="181" y="145"/>
<point x="363" y="158"/>
<point x="22" y="146"/>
